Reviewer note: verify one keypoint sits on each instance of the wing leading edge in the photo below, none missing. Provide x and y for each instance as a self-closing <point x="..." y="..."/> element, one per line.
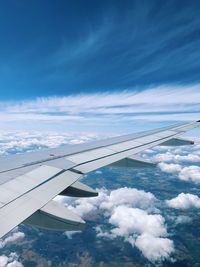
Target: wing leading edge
<point x="29" y="183"/>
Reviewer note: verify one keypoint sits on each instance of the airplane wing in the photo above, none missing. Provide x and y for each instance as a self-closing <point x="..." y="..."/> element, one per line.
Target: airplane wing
<point x="30" y="181"/>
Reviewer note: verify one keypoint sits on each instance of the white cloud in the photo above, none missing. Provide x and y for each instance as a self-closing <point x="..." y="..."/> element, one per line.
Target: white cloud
<point x="182" y="219"/>
<point x="69" y="234"/>
<point x="169" y="161"/>
<point x="130" y="197"/>
<point x="12" y="238"/>
<point x="170" y="157"/>
<point x="127" y="105"/>
<point x="191" y="173"/>
<point x="184" y="201"/>
<point x="3" y="261"/>
<point x="166" y="157"/>
<point x="154" y="248"/>
<point x="114" y="102"/>
<point x="103" y="234"/>
<point x="132" y="214"/>
<point x="84" y="206"/>
<point x="132" y="220"/>
<point x="187" y="158"/>
<point x="10" y="261"/>
<point x="145" y="231"/>
<point x="17" y="142"/>
<point x="14" y="264"/>
<point x="169" y="168"/>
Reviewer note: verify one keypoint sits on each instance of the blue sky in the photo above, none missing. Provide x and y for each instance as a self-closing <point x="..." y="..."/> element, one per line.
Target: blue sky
<point x="77" y="49"/>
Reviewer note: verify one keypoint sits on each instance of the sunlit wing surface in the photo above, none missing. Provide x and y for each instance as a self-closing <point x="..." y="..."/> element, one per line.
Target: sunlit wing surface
<point x="29" y="182"/>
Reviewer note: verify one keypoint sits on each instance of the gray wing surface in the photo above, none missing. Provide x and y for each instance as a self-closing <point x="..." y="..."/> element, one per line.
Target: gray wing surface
<point x="29" y="182"/>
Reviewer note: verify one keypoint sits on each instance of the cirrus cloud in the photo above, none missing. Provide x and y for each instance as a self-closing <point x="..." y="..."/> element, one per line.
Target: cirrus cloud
<point x="117" y="107"/>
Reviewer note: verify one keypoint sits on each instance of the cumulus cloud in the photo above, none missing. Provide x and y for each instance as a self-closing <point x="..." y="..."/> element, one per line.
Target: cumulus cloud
<point x="191" y="173"/>
<point x="169" y="168"/>
<point x="14" y="264"/>
<point x="132" y="220"/>
<point x="170" y="157"/>
<point x="10" y="261"/>
<point x="141" y="229"/>
<point x="133" y="216"/>
<point x="3" y="261"/>
<point x="169" y="162"/>
<point x="11" y="238"/>
<point x="84" y="206"/>
<point x="154" y="248"/>
<point x="184" y="201"/>
<point x="130" y="197"/>
<point x="104" y="234"/>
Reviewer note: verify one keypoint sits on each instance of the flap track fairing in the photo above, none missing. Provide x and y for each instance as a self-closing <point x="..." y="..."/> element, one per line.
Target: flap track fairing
<point x="79" y="189"/>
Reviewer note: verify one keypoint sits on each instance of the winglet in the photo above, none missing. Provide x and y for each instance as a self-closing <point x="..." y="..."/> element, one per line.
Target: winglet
<point x="198" y="121"/>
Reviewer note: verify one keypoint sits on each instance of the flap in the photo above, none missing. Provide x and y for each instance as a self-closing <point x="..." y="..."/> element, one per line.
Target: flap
<point x="133" y="161"/>
<point x="177" y="142"/>
<point x="79" y="189"/>
<point x="22" y="207"/>
<point x="57" y="217"/>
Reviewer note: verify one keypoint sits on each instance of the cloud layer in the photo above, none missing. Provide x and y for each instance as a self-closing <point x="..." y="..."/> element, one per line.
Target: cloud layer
<point x="18" y="142"/>
<point x="118" y="107"/>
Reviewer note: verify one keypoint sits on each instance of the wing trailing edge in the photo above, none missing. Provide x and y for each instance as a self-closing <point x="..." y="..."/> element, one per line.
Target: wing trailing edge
<point x="55" y="216"/>
<point x="177" y="142"/>
<point x="79" y="189"/>
<point x="133" y="161"/>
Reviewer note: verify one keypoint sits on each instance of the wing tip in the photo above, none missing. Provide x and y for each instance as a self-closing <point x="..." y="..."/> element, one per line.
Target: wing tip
<point x="198" y="121"/>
